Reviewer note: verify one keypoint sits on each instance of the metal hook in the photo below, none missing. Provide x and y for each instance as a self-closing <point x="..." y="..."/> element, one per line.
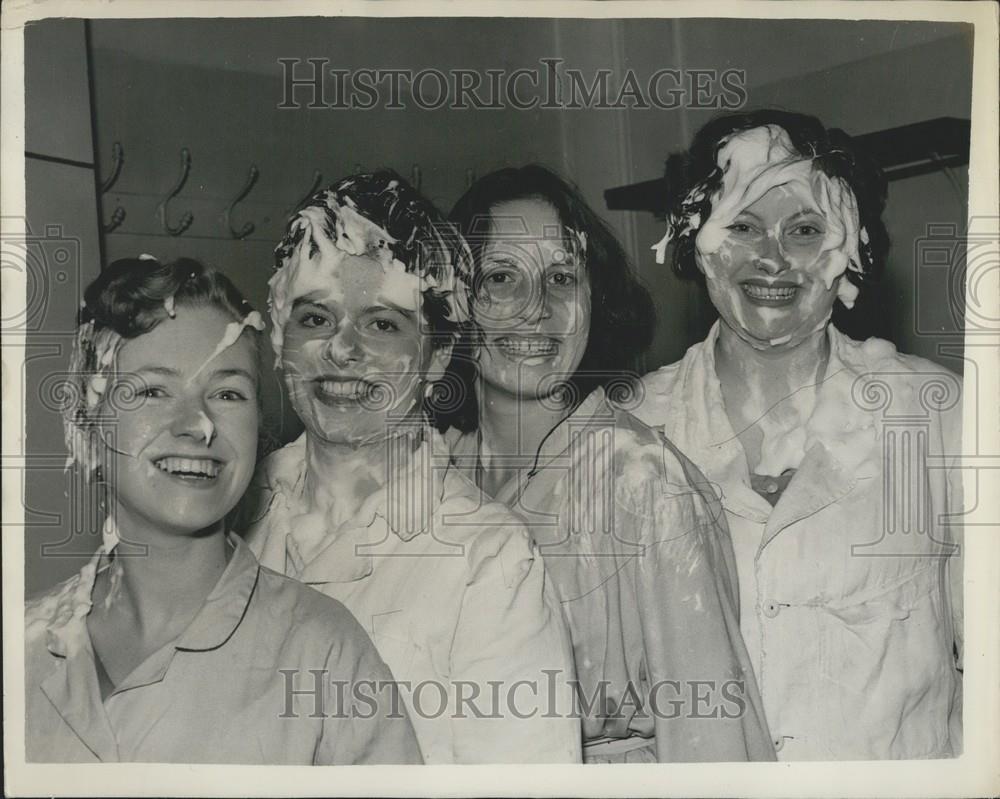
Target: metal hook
<point x="118" y="159"/>
<point x="317" y="180"/>
<point x="188" y="217"/>
<point x="470" y="178"/>
<point x="415" y="177"/>
<point x="248" y="228"/>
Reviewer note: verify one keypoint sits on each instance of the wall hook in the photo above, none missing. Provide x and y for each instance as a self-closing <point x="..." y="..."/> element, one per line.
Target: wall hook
<point x="117" y="159"/>
<point x="470" y="178"/>
<point x="415" y="177"/>
<point x="317" y="180"/>
<point x="188" y="217"/>
<point x="248" y="228"/>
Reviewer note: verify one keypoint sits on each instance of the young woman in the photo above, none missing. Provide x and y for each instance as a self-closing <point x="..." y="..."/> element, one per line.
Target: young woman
<point x="172" y="644"/>
<point x="630" y="531"/>
<point x="370" y="285"/>
<point x="819" y="445"/>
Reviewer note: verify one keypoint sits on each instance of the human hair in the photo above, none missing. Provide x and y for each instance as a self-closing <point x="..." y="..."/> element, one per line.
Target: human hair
<point x="420" y="238"/>
<point x="622" y="314"/>
<point x="697" y="176"/>
<point x="129" y="298"/>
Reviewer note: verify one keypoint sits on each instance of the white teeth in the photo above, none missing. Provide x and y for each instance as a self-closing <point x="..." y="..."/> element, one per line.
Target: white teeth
<point x="759" y="292"/>
<point x="349" y="389"/>
<point x="528" y="347"/>
<point x="195" y="467"/>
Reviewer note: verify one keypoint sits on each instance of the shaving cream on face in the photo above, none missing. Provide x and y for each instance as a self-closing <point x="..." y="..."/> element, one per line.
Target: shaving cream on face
<point x="760" y="169"/>
<point x="230" y="336"/>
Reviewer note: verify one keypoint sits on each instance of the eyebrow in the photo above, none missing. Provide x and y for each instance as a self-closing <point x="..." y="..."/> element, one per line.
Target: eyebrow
<point x="167" y="371"/>
<point x="805" y="212"/>
<point x="389" y="307"/>
<point x="309" y="299"/>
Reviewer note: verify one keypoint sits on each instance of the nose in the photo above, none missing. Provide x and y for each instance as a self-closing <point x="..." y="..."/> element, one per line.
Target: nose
<point x="769" y="258"/>
<point x="192" y="421"/>
<point x="342" y="347"/>
<point x="537" y="307"/>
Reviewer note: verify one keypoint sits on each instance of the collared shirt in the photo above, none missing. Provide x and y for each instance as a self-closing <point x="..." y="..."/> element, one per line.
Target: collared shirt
<point x="452" y="595"/>
<point x="850" y="603"/>
<point x="266" y="673"/>
<point x="639" y="552"/>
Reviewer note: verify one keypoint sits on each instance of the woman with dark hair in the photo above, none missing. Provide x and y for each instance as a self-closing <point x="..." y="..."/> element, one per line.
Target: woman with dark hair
<point x="850" y="588"/>
<point x="370" y="286"/>
<point x="629" y="530"/>
<point x="173" y="644"/>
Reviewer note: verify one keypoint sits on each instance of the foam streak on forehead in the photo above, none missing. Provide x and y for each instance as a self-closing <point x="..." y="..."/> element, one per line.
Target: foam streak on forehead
<point x="329" y="234"/>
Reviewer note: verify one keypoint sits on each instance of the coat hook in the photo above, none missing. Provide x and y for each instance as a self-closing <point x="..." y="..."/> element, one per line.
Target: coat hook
<point x="470" y="178"/>
<point x="248" y="228"/>
<point x="188" y="217"/>
<point x="118" y="159"/>
<point x="415" y="177"/>
<point x="317" y="180"/>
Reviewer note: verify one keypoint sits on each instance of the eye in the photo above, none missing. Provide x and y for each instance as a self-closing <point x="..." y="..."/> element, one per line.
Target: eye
<point x="384" y="325"/>
<point x="151" y="392"/>
<point x="741" y="228"/>
<point x="313" y="320"/>
<point x="499" y="277"/>
<point x="230" y="395"/>
<point x="806" y="229"/>
<point x="562" y="279"/>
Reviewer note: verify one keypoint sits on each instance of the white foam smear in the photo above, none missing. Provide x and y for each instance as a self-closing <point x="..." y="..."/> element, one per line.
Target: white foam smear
<point x="230" y="336"/>
<point x="753" y="162"/>
<point x="207" y="428"/>
<point x="87" y="391"/>
<point x="334" y="231"/>
<point x="170" y="307"/>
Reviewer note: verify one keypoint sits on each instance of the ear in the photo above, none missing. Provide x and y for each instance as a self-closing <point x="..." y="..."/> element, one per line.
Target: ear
<point x="440" y="358"/>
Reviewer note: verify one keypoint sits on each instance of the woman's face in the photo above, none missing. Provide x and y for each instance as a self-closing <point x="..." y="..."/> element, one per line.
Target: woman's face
<point x="356" y="354"/>
<point x="532" y="300"/>
<point x="180" y="456"/>
<point x="766" y="280"/>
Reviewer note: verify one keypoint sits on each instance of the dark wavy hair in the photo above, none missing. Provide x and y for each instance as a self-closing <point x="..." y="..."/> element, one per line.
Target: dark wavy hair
<point x="424" y="241"/>
<point x="622" y="314"/>
<point x="832" y="150"/>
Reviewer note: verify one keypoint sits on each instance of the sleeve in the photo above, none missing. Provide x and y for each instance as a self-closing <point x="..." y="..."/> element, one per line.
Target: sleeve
<point x="368" y="724"/>
<point x="703" y="693"/>
<point x="512" y="648"/>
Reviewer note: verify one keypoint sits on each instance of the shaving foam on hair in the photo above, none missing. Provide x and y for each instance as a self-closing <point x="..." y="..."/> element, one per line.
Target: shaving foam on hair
<point x="321" y="236"/>
<point x="752" y="163"/>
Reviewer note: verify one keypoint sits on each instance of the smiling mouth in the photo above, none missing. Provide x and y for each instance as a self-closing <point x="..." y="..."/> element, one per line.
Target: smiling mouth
<point x="527" y="347"/>
<point x="339" y="391"/>
<point x="195" y="469"/>
<point x="770" y="295"/>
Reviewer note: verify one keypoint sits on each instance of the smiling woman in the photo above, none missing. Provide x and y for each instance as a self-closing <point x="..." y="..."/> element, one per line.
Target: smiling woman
<point x="629" y="530"/>
<point x="851" y="610"/>
<point x="371" y="283"/>
<point x="173" y="622"/>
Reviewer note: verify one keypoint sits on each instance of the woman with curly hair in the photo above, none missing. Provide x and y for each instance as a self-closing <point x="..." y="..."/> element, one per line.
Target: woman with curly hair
<point x="172" y="644"/>
<point x="850" y="588"/>
<point x="632" y="535"/>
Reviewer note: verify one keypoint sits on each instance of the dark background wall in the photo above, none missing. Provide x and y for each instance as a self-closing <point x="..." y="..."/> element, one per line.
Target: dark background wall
<point x="214" y="87"/>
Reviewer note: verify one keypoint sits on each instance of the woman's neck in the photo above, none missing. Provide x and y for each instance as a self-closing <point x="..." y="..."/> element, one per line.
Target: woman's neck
<point x="772" y="374"/>
<point x="340" y="477"/>
<point x="512" y="430"/>
<point x="165" y="577"/>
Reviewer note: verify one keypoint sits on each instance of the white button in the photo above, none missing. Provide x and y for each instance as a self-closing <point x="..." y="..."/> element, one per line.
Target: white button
<point x="772" y="609"/>
<point x="771" y="488"/>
